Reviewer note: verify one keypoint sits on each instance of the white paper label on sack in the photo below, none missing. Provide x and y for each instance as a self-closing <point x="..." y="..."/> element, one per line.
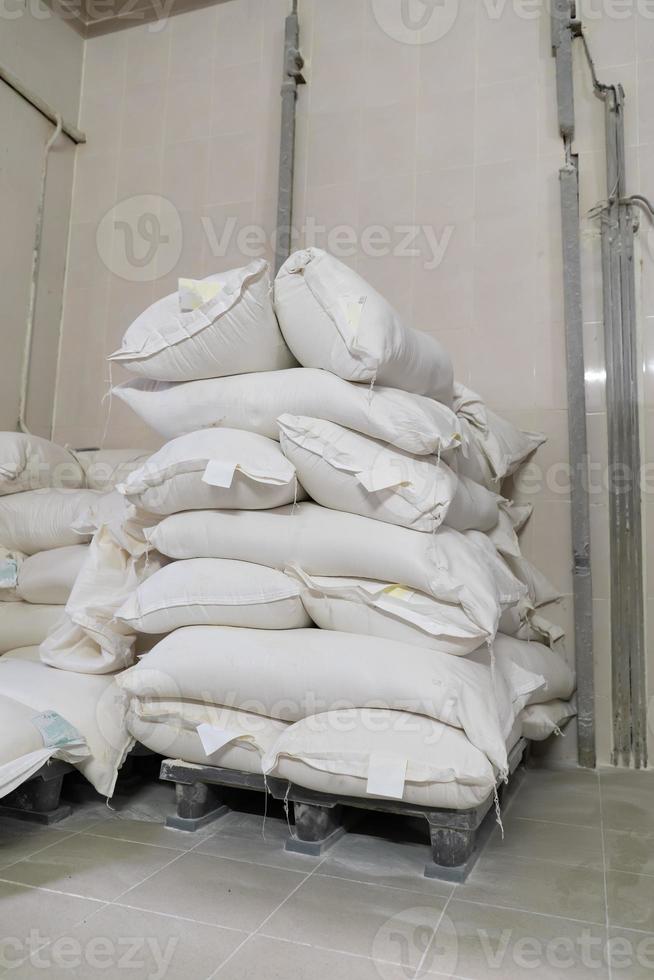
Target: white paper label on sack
<point x="219" y="473"/>
<point x="214" y="739"/>
<point x="55" y="731"/>
<point x="8" y="573"/>
<point x="194" y="293"/>
<point x="386" y="775"/>
<point x="381" y="478"/>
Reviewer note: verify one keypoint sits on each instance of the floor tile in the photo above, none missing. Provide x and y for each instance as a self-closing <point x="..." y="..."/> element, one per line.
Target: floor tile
<point x="353" y="917"/>
<point x="118" y="942"/>
<point x="245" y="838"/>
<point x="559" y="797"/>
<point x="632" y="955"/>
<point x="147" y="832"/>
<point x="628" y="801"/>
<point x="18" y="840"/>
<point x="536" y="886"/>
<point x="630" y="900"/>
<point x="274" y="959"/>
<point x="629" y="852"/>
<point x="29" y="916"/>
<point x="579" y="847"/>
<point x="482" y="942"/>
<point x="383" y="862"/>
<point x="93" y="867"/>
<point x="216" y="891"/>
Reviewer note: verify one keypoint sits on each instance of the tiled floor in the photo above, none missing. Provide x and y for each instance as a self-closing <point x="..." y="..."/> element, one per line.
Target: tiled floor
<point x="568" y="893"/>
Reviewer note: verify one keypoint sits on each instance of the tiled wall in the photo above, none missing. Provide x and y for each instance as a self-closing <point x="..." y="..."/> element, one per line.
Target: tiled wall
<point x="188" y="110"/>
<point x="46" y="55"/>
<point x="456" y="137"/>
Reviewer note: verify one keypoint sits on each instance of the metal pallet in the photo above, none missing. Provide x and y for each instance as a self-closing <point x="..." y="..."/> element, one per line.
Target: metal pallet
<point x="457" y="836"/>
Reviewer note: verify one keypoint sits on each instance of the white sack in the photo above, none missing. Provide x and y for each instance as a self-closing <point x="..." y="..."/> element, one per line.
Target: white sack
<point x="104" y="469"/>
<point x="48" y="577"/>
<point x="214" y="592"/>
<point x="30" y="463"/>
<point x="43" y="519"/>
<point x="347" y="471"/>
<point x="227" y="468"/>
<point x="380" y="754"/>
<point x="445" y="565"/>
<point x="30" y="739"/>
<point x="24" y="625"/>
<point x="539" y="721"/>
<point x="107" y="578"/>
<point x="333" y="319"/>
<point x="517" y="657"/>
<point x="170" y="728"/>
<point x="355" y="605"/>
<point x="92" y="705"/>
<point x="255" y="401"/>
<point x="539" y="589"/>
<point x="290" y="674"/>
<point x="504" y="447"/>
<point x="125" y="522"/>
<point x="236" y="332"/>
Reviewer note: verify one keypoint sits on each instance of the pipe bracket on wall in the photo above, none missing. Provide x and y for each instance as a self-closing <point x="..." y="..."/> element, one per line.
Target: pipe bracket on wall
<point x="293" y="78"/>
<point x="563" y="31"/>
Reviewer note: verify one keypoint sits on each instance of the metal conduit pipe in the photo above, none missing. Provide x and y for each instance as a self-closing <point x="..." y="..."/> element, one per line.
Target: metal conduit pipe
<point x="77" y="137"/>
<point x="293" y="64"/>
<point x="563" y="31"/>
<point x="36" y="263"/>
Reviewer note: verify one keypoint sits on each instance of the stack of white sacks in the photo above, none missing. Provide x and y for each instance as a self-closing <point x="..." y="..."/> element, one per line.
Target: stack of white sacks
<point x="358" y="494"/>
<point x="319" y="560"/>
<point x="49" y="502"/>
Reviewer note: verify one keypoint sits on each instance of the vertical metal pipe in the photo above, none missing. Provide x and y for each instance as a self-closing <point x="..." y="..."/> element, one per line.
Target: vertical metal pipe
<point x="624" y="456"/>
<point x="580" y="509"/>
<point x="293" y="63"/>
<point x="562" y="40"/>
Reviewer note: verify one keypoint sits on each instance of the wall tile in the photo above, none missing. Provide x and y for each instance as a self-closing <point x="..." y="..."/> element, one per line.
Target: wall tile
<point x="388" y="142"/>
<point x="446" y="132"/>
<point x="239" y="32"/>
<point x="334" y="148"/>
<point x="498" y="134"/>
<point x="232" y="168"/>
<point x="193" y="44"/>
<point x="148" y="53"/>
<point x="144" y="116"/>
<point x="188" y="110"/>
<point x="449" y="64"/>
<point x="185" y="173"/>
<point x="237" y="97"/>
<point x="507" y="43"/>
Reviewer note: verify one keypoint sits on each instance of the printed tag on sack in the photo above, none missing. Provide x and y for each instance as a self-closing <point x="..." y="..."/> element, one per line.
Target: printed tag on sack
<point x="55" y="731"/>
<point x="386" y="775"/>
<point x="215" y="739"/>
<point x="8" y="573"/>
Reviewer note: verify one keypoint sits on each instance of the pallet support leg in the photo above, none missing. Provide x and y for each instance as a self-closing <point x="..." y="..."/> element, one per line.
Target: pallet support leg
<point x="38" y="800"/>
<point x="452" y="850"/>
<point x="316" y="828"/>
<point x="198" y="804"/>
